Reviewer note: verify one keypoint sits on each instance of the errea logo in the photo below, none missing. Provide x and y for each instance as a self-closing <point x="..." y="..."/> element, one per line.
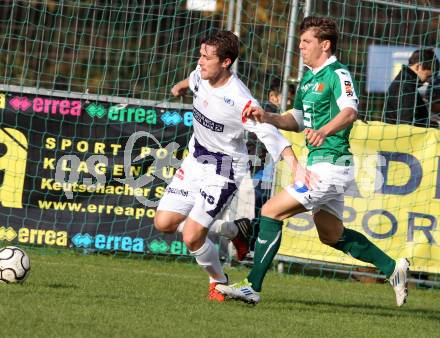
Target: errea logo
<point x="123" y="113"/>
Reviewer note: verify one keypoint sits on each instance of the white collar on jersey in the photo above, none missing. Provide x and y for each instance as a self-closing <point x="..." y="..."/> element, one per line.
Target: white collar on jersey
<point x="330" y="60"/>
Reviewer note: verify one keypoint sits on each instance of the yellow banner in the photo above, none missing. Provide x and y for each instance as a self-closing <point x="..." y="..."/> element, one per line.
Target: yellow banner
<point x="395" y="201"/>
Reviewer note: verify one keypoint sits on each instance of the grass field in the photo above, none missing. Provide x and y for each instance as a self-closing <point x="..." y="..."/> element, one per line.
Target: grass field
<point x="70" y="295"/>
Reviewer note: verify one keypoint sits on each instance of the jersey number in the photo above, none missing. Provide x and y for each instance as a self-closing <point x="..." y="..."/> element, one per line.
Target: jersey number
<point x="307" y="115"/>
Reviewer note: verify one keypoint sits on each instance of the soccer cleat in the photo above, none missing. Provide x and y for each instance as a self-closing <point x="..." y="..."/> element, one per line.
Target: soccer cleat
<point x="215" y="295"/>
<point x="241" y="290"/>
<point x="241" y="241"/>
<point x="399" y="282"/>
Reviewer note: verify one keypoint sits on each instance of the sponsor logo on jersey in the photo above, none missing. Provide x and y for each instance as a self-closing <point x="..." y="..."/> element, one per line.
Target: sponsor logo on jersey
<point x="180" y="174"/>
<point x="110" y="242"/>
<point x="207" y="123"/>
<point x="319" y="87"/>
<point x="348" y="88"/>
<point x="307" y="86"/>
<point x="176" y="191"/>
<point x="210" y="199"/>
<point x="228" y="101"/>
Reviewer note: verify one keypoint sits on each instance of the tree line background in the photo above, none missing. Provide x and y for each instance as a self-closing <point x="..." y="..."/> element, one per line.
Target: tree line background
<point x="140" y="48"/>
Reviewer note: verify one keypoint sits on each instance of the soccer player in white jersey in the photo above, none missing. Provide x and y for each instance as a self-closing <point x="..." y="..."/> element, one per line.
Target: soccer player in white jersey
<point x="326" y="104"/>
<point x="209" y="176"/>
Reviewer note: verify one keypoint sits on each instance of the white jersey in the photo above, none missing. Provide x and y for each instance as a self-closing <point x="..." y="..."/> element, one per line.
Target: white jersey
<point x="217" y="119"/>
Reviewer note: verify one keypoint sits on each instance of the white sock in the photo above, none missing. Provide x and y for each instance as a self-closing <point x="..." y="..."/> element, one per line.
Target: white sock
<point x="207" y="258"/>
<point x="224" y="228"/>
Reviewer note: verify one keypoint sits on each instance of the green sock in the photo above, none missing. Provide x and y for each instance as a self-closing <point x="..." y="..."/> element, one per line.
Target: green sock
<point x="266" y="247"/>
<point x="358" y="246"/>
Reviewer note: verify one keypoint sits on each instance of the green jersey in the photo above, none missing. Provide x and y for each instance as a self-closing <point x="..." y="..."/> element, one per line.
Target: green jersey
<point x="321" y="95"/>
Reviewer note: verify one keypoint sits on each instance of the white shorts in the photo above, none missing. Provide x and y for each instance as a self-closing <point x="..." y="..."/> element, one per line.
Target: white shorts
<point x="199" y="191"/>
<point x="329" y="194"/>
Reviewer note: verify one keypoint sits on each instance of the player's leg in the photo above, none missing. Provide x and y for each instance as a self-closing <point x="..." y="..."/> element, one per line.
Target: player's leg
<point x="268" y="240"/>
<point x="178" y="199"/>
<point x="206" y="255"/>
<point x="212" y="198"/>
<point x="332" y="232"/>
<point x="267" y="244"/>
<point x="218" y="189"/>
<point x="238" y="232"/>
<point x="195" y="238"/>
<point x="168" y="221"/>
<point x="262" y="193"/>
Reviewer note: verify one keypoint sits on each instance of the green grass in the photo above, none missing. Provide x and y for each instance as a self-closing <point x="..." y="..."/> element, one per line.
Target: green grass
<point x="68" y="295"/>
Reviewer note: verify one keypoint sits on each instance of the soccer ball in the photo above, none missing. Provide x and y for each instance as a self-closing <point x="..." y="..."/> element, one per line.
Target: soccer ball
<point x="14" y="265"/>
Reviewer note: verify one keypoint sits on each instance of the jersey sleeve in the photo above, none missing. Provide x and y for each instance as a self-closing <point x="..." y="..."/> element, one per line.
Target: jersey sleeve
<point x="298" y="115"/>
<point x="297" y="111"/>
<point x="344" y="91"/>
<point x="270" y="136"/>
<point x="195" y="79"/>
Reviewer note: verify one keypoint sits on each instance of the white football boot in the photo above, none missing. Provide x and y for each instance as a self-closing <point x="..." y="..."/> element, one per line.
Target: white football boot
<point x="241" y="290"/>
<point x="399" y="280"/>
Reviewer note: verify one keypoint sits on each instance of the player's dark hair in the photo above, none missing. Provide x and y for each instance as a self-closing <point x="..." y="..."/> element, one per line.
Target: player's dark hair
<point x="275" y="86"/>
<point x="426" y="57"/>
<point x="324" y="28"/>
<point x="226" y="44"/>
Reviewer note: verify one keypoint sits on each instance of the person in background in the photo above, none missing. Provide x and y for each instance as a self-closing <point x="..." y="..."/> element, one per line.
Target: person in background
<point x="403" y="102"/>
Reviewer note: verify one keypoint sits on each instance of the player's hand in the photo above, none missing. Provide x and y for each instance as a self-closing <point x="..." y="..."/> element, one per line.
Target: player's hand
<point x="305" y="176"/>
<point x="178" y="91"/>
<point x="255" y="113"/>
<point x="315" y="137"/>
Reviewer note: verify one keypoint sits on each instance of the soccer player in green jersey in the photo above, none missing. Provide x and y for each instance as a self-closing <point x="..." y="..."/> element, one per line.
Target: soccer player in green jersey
<point x="325" y="108"/>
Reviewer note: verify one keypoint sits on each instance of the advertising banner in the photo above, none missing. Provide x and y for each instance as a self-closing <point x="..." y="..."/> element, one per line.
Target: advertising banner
<point x="395" y="200"/>
<point x="83" y="174"/>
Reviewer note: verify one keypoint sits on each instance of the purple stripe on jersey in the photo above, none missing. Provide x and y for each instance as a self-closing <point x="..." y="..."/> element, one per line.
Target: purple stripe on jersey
<point x="222" y="161"/>
<point x="228" y="191"/>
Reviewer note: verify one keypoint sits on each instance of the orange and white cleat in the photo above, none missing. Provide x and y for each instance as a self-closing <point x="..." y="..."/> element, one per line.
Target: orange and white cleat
<point x="215" y="295"/>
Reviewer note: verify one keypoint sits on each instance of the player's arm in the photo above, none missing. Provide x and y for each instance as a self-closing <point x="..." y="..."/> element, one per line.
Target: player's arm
<point x="286" y="121"/>
<point x="299" y="173"/>
<point x="344" y="119"/>
<point x="180" y="88"/>
<point x="277" y="146"/>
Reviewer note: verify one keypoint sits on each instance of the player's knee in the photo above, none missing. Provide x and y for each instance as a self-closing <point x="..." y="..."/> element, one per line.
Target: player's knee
<point x="267" y="211"/>
<point x="328" y="239"/>
<point x="193" y="241"/>
<point x="163" y="223"/>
